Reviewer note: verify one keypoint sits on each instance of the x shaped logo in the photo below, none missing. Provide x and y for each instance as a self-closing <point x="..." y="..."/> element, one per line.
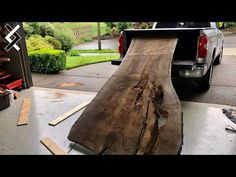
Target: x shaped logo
<point x="16" y="37"/>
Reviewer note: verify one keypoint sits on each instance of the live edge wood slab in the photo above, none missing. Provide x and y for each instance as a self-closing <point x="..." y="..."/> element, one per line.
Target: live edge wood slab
<point x="137" y="111"/>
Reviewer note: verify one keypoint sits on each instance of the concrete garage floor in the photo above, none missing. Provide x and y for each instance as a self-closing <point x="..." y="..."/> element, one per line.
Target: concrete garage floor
<point x="204" y="124"/>
<point x="47" y="104"/>
<point x="204" y="130"/>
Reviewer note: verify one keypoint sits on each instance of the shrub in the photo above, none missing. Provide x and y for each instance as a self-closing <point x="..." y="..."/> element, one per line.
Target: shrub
<point x="110" y="24"/>
<point x="230" y="24"/>
<point x="42" y="29"/>
<point x="114" y="28"/>
<point x="123" y="25"/>
<point x="45" y="29"/>
<point x="35" y="27"/>
<point x="37" y="42"/>
<point x="28" y="29"/>
<point x="65" y="36"/>
<point x="142" y="25"/>
<point x="54" y="42"/>
<point x="66" y="39"/>
<point x="47" y="61"/>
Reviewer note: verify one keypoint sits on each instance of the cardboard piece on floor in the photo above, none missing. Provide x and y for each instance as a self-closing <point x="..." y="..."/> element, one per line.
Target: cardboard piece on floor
<point x="25" y="110"/>
<point x="67" y="114"/>
<point x="52" y="147"/>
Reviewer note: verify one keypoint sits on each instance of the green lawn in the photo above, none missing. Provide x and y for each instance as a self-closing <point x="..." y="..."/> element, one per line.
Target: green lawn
<point x="78" y="52"/>
<point x="76" y="61"/>
<point x="96" y="51"/>
<point x="90" y="35"/>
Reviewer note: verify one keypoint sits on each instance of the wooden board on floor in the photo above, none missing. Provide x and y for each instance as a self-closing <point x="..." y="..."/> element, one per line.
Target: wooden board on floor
<point x="5" y="59"/>
<point x="52" y="146"/>
<point x="137" y="111"/>
<point x="68" y="114"/>
<point x="25" y="111"/>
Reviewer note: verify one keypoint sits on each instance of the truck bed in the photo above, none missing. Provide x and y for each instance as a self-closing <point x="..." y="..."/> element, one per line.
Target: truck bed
<point x="186" y="48"/>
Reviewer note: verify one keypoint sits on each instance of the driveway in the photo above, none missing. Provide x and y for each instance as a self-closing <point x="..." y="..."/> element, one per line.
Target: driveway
<point x="222" y="90"/>
<point x="230" y="41"/>
<point x="86" y="78"/>
<point x="93" y="77"/>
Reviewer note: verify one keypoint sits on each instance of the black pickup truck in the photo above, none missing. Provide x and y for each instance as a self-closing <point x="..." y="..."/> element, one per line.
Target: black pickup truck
<point x="199" y="46"/>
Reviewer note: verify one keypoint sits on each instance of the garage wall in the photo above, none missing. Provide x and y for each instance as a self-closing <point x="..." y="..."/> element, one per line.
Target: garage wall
<point x="19" y="64"/>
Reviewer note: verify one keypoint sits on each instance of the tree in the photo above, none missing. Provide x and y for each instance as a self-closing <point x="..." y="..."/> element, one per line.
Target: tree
<point x="99" y="35"/>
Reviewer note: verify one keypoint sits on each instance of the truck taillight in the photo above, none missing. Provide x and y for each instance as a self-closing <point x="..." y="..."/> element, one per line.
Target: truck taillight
<point x="121" y="44"/>
<point x="202" y="47"/>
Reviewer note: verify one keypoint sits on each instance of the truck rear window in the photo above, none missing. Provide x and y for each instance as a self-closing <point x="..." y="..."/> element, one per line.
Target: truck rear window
<point x="182" y="24"/>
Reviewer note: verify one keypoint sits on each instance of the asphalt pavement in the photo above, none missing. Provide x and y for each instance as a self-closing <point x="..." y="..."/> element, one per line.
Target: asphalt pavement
<point x="230" y="41"/>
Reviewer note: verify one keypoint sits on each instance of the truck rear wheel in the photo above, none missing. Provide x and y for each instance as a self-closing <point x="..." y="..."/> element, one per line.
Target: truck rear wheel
<point x="219" y="58"/>
<point x="205" y="83"/>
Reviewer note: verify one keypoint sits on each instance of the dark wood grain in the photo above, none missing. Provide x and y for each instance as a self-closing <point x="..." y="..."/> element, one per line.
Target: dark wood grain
<point x="137" y="111"/>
